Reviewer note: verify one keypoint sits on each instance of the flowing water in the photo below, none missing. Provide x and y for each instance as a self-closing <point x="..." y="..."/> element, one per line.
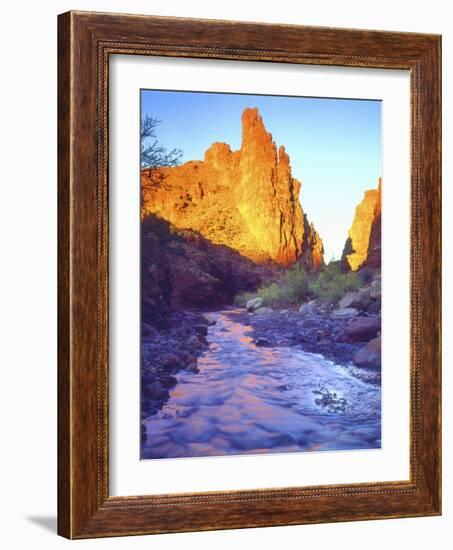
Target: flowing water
<point x="248" y="399"/>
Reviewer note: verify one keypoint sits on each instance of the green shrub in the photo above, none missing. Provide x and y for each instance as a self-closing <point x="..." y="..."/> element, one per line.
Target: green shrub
<point x="297" y="280"/>
<point x="273" y="295"/>
<point x="295" y="286"/>
<point x="290" y="289"/>
<point x="331" y="284"/>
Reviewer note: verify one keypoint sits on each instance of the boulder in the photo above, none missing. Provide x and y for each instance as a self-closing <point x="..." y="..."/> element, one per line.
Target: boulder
<point x="362" y="329"/>
<point x="308" y="308"/>
<point x="325" y="342"/>
<point x="263" y="311"/>
<point x="345" y="312"/>
<point x="370" y="355"/>
<point x="253" y="304"/>
<point x="349" y="300"/>
<point x="358" y="300"/>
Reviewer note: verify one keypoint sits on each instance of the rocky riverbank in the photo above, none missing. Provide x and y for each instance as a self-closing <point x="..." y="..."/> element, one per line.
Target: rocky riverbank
<point x="349" y="333"/>
<point x="166" y="352"/>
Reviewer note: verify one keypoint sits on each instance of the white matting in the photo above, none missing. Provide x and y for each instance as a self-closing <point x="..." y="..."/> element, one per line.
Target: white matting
<point x="129" y="475"/>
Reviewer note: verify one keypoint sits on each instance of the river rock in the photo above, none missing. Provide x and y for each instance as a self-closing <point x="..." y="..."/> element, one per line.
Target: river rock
<point x="308" y="308"/>
<point x="323" y="342"/>
<point x="263" y="311"/>
<point x="263" y="342"/>
<point x="192" y="367"/>
<point x="345" y="312"/>
<point x="348" y="300"/>
<point x="201" y="330"/>
<point x="180" y="332"/>
<point x="185" y="357"/>
<point x="156" y="390"/>
<point x="254" y="304"/>
<point x="170" y="360"/>
<point x="168" y="381"/>
<point x="193" y="341"/>
<point x="369" y="355"/>
<point x="362" y="329"/>
<point x="330" y="400"/>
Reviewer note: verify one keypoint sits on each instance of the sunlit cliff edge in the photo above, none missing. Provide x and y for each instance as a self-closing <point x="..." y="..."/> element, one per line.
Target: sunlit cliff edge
<point x="363" y="246"/>
<point x="247" y="200"/>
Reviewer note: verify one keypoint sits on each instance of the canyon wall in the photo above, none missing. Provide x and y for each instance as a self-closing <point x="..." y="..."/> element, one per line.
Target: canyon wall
<point x="180" y="269"/>
<point x="312" y="247"/>
<point x="245" y="199"/>
<point x="363" y="245"/>
<point x="374" y="244"/>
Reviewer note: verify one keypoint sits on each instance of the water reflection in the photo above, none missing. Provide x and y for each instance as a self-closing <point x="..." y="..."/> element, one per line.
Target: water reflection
<point x="249" y="399"/>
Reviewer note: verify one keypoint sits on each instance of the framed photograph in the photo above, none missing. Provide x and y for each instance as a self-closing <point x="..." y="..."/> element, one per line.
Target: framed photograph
<point x="249" y="275"/>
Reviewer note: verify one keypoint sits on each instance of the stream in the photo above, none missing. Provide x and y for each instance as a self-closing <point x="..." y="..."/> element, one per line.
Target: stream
<point x="248" y="399"/>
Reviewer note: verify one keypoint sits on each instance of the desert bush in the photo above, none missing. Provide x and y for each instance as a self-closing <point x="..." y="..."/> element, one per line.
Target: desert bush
<point x="273" y="295"/>
<point x="290" y="289"/>
<point x="331" y="284"/>
<point x="296" y="279"/>
<point x="295" y="286"/>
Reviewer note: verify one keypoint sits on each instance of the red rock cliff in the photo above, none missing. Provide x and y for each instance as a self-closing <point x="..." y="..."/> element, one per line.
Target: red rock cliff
<point x="374" y="245"/>
<point x="245" y="199"/>
<point x="312" y="247"/>
<point x="363" y="246"/>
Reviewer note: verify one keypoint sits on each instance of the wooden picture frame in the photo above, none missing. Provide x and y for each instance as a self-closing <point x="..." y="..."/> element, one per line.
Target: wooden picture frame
<point x="85" y="42"/>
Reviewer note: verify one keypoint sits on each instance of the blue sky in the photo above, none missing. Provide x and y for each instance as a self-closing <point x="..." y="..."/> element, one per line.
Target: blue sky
<point x="334" y="145"/>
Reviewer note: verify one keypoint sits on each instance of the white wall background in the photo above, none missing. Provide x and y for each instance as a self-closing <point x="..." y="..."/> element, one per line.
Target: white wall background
<point x="28" y="124"/>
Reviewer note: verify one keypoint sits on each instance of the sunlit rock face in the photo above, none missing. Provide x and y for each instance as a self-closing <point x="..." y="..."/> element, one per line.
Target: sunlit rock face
<point x="374" y="245"/>
<point x="312" y="247"/>
<point x="245" y="199"/>
<point x="363" y="246"/>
